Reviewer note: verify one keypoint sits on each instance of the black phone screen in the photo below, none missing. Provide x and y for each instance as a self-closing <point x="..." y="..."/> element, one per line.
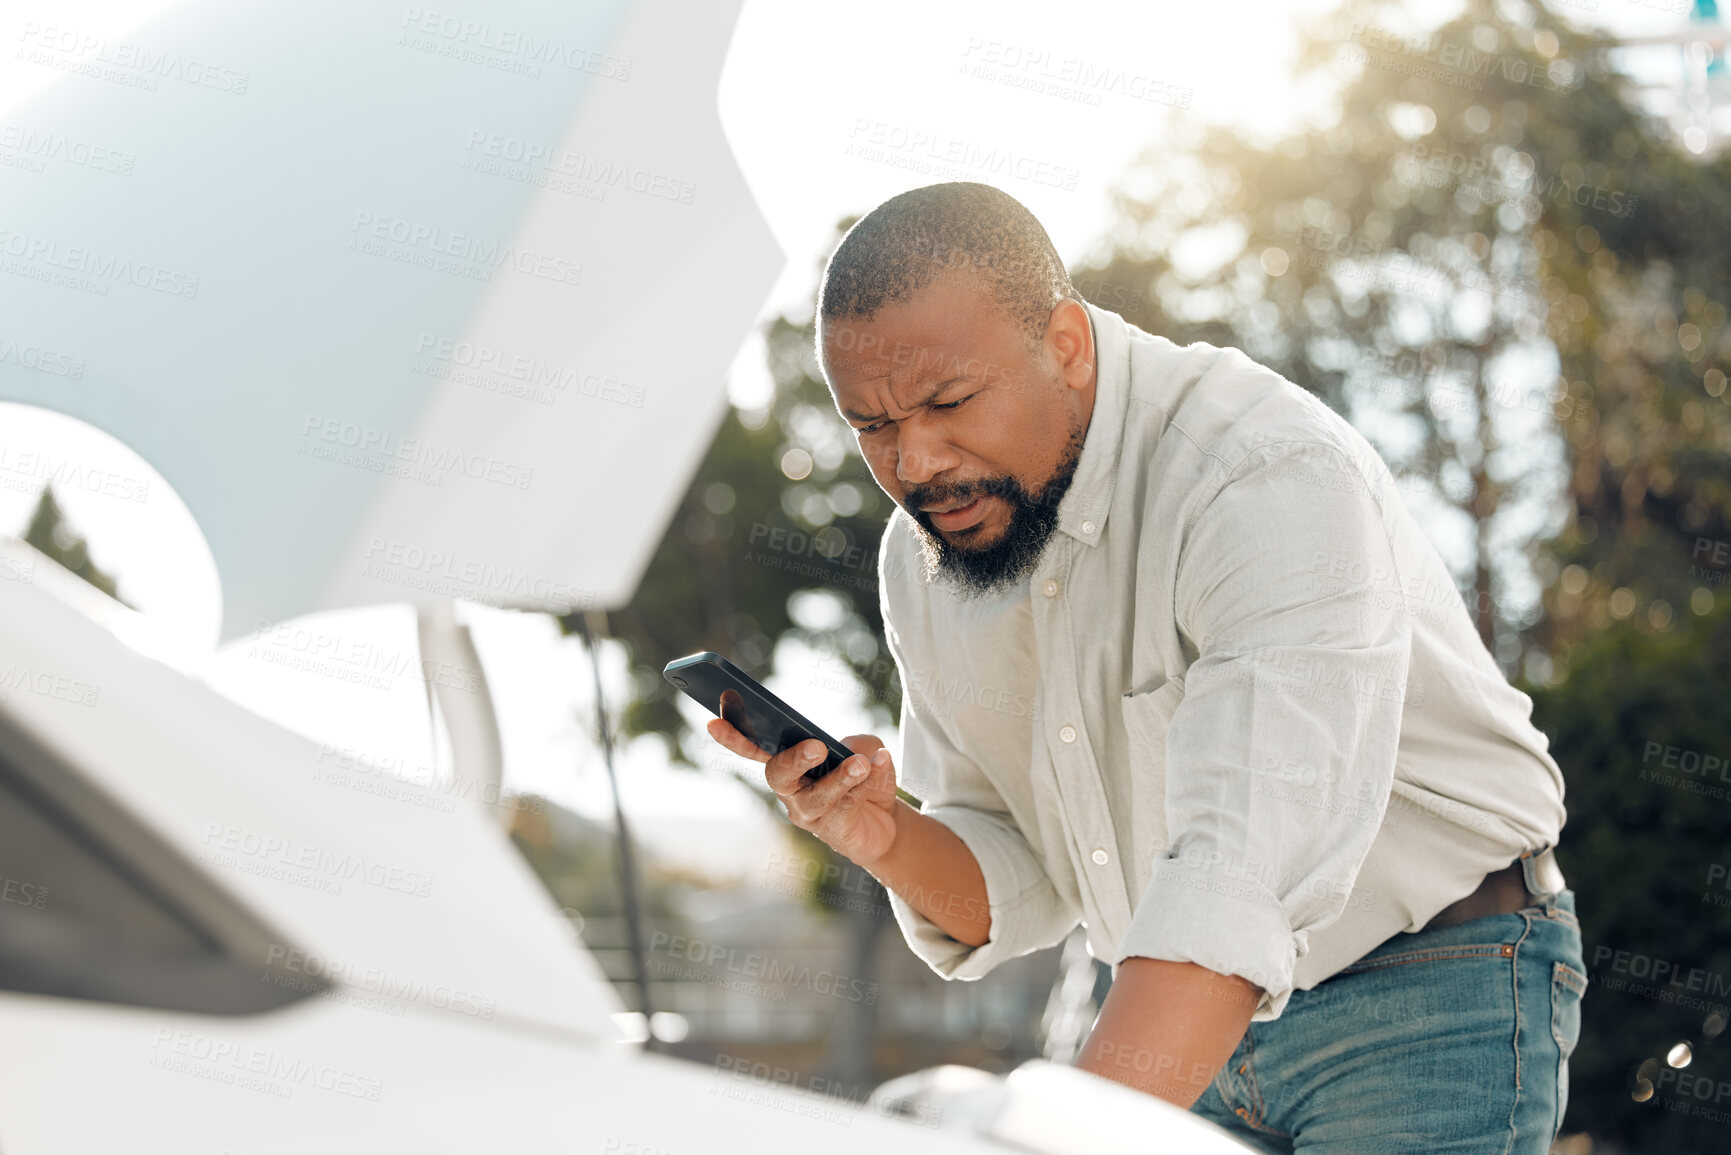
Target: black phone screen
<point x="730" y="693"/>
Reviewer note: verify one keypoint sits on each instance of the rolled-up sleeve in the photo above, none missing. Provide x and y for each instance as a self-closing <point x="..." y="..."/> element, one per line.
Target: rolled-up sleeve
<point x="1026" y="911"/>
<point x="1280" y="755"/>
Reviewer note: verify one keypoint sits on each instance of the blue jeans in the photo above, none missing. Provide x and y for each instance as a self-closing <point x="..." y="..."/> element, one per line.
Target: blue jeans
<point x="1446" y="1040"/>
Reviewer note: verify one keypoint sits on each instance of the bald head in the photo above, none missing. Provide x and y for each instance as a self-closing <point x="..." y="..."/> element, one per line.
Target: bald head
<point x="903" y="245"/>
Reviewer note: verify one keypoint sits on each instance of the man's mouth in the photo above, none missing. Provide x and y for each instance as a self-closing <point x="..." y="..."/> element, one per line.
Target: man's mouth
<point x="954" y="517"/>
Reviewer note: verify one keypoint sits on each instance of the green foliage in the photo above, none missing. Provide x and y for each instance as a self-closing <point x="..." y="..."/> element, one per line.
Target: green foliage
<point x="1639" y="321"/>
<point x="1487" y="190"/>
<point x="1383" y="261"/>
<point x="1642" y="838"/>
<point x="53" y="535"/>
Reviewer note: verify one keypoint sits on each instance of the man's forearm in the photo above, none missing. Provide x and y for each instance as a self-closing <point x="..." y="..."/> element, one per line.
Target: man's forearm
<point x="1168" y="1027"/>
<point x="933" y="871"/>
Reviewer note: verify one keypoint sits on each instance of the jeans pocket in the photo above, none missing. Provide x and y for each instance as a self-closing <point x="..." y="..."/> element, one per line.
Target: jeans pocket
<point x="1568" y="985"/>
<point x="1434" y="954"/>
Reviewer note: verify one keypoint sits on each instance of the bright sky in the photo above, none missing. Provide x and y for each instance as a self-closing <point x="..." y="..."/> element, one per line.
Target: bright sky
<point x="830" y="109"/>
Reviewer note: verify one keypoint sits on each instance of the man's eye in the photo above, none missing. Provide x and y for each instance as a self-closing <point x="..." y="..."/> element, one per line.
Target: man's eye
<point x="866" y="429"/>
<point x="952" y="404"/>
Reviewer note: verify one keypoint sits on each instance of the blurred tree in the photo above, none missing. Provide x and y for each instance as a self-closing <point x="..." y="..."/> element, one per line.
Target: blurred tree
<point x="52" y="534"/>
<point x="1638" y="316"/>
<point x="1489" y="250"/>
<point x="1641" y="731"/>
<point x="1385" y="260"/>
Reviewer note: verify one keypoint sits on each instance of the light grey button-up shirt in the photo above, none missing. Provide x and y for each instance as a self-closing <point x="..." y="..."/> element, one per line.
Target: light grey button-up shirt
<point x="1239" y="716"/>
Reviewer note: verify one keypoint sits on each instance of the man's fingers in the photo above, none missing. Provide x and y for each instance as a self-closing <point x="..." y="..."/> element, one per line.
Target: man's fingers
<point x="822" y="795"/>
<point x="867" y="744"/>
<point x="784" y="771"/>
<point x="724" y="733"/>
<point x="825" y="807"/>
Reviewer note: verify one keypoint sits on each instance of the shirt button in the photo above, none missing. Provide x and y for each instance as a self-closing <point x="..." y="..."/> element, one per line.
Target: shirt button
<point x="1088" y="527"/>
<point x="1068" y="733"/>
<point x="1100" y="857"/>
<point x="1050" y="589"/>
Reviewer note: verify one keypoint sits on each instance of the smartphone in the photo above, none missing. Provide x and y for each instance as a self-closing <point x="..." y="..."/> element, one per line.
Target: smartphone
<point x="730" y="693"/>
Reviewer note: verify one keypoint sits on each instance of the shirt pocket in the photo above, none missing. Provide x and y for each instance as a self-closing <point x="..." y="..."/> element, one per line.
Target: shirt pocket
<point x="1148" y="714"/>
<point x="1147" y="718"/>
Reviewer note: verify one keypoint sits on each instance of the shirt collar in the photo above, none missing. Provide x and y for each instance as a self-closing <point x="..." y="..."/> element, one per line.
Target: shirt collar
<point x="1082" y="512"/>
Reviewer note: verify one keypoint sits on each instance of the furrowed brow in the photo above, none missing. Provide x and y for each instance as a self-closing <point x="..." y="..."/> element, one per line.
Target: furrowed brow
<point x="930" y="396"/>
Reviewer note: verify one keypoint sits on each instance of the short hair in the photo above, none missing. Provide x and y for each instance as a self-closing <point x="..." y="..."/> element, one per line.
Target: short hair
<point x="901" y="246"/>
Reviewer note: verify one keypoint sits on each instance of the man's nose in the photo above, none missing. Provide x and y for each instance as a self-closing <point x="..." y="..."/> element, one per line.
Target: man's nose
<point x="920" y="456"/>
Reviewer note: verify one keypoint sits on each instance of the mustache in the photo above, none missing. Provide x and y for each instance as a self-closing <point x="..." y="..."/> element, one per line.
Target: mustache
<point x="1002" y="486"/>
<point x="950" y="492"/>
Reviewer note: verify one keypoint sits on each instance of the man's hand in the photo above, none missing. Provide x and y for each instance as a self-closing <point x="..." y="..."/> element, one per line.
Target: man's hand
<point x="852" y="808"/>
<point x="1168" y="1027"/>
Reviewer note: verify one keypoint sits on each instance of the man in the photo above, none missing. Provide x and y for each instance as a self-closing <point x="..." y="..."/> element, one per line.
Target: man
<point x="1178" y="665"/>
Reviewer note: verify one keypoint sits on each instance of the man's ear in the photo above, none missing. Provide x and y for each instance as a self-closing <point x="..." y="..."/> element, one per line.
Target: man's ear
<point x="1070" y="334"/>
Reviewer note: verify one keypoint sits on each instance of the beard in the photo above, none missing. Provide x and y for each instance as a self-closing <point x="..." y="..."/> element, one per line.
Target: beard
<point x="989" y="570"/>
